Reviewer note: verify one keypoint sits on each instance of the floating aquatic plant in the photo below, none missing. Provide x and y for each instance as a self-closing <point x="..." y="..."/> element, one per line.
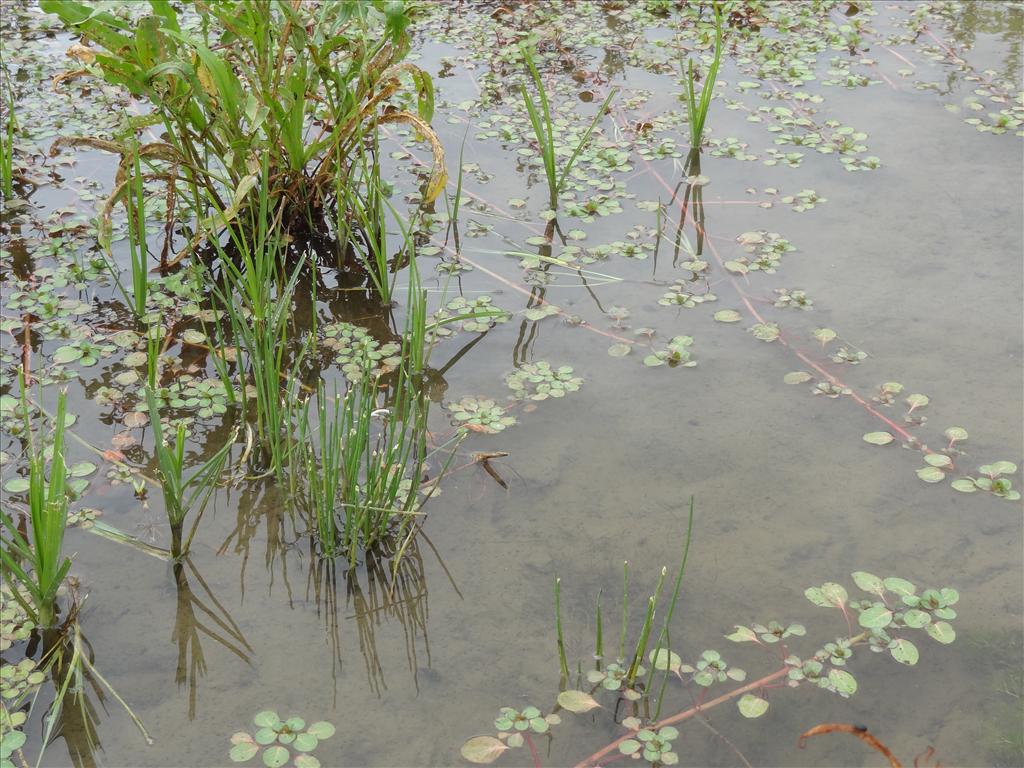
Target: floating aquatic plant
<point x="539" y="381"/>
<point x="676" y="354"/>
<point x="276" y="737"/>
<point x="990" y="479"/>
<point x="480" y="415"/>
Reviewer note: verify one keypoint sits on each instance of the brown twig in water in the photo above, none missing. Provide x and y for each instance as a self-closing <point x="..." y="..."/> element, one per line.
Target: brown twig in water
<point x="860" y="731"/>
<point x="483" y="459"/>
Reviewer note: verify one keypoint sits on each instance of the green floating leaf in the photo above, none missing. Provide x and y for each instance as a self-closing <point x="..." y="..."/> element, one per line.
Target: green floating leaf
<point x="742" y="635"/>
<point x="266" y="736"/>
<point x="904" y="651"/>
<point x="825" y="335"/>
<point x="663" y="659"/>
<point x="917" y="401"/>
<point x="482" y="749"/>
<point x="938" y="460"/>
<point x="915" y="618"/>
<point x="17" y="485"/>
<point x="629" y="746"/>
<point x="577" y="701"/>
<point x="828" y="595"/>
<point x="306" y="742"/>
<point x="876" y="617"/>
<point x="956" y="434"/>
<point x="306" y="761"/>
<point x="81" y="469"/>
<point x="752" y="706"/>
<point x="275" y="756"/>
<point x="797" y="377"/>
<point x="767" y="332"/>
<point x="619" y="350"/>
<point x="964" y="484"/>
<point x="941" y="631"/>
<point x="267" y="719"/>
<point x="878" y="438"/>
<point x="242" y="752"/>
<point x="842" y="681"/>
<point x="868" y="582"/>
<point x="321" y="729"/>
<point x="899" y="586"/>
<point x="728" y="316"/>
<point x="931" y="474"/>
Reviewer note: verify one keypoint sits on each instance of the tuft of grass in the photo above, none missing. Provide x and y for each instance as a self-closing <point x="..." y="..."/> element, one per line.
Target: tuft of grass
<point x="544" y="129"/>
<point x="36" y="560"/>
<point x="181" y="495"/>
<point x="299" y="85"/>
<point x="697" y="110"/>
<point x="7" y="130"/>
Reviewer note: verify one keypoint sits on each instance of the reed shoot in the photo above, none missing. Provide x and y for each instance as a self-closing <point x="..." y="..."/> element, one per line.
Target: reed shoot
<point x="544" y="129"/>
<point x="697" y="111"/>
<point x="181" y="495"/>
<point x="36" y="561"/>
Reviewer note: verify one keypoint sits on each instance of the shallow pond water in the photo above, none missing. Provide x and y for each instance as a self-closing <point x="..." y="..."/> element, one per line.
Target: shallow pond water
<point x="916" y="262"/>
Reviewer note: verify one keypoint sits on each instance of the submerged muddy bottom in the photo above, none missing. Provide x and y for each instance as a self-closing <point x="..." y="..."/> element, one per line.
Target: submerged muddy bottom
<point x="916" y="263"/>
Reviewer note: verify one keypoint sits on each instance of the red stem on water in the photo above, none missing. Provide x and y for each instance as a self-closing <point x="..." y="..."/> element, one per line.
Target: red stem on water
<point x="686" y="714"/>
<point x="533" y="751"/>
<point x="803" y="358"/>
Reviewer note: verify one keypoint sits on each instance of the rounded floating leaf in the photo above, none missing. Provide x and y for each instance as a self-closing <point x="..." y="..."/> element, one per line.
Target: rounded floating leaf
<point x="843" y="681"/>
<point x="267" y="719"/>
<point x="482" y="749"/>
<point x="736" y="267"/>
<point x="266" y="736"/>
<point x="899" y="586"/>
<point x="17" y="485"/>
<point x="752" y="706"/>
<point x="663" y="659"/>
<point x="244" y="751"/>
<point x="577" y="701"/>
<point x="629" y="746"/>
<point x="515" y="740"/>
<point x="825" y="335"/>
<point x="916" y="618"/>
<point x="955" y="434"/>
<point x="904" y="651"/>
<point x="938" y="460"/>
<point x="295" y="723"/>
<point x="742" y="635"/>
<point x="619" y="350"/>
<point x="931" y="474"/>
<point x="917" y="401"/>
<point x="81" y="469"/>
<point x="878" y="438"/>
<point x="66" y="354"/>
<point x="964" y="485"/>
<point x="728" y="316"/>
<point x="797" y="377"/>
<point x="1004" y="468"/>
<point x="306" y="761"/>
<point x="241" y="737"/>
<point x="875" y="617"/>
<point x="941" y="631"/>
<point x="321" y="729"/>
<point x="306" y="742"/>
<point x="868" y="581"/>
<point x="275" y="756"/>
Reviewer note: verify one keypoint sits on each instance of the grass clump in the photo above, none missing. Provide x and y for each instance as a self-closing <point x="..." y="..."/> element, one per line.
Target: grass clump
<point x="35" y="560"/>
<point x="297" y="85"/>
